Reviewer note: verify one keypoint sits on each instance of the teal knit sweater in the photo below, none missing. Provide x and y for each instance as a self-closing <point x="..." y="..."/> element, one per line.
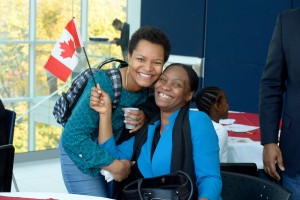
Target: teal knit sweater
<point x="81" y="130"/>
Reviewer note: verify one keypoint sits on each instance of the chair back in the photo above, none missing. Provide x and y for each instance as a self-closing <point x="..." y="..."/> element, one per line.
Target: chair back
<point x="242" y="168"/>
<point x="7" y="153"/>
<point x="9" y="125"/>
<point x="246" y="187"/>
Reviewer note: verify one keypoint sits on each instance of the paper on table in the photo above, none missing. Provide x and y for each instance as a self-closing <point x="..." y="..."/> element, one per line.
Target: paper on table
<point x="239" y="140"/>
<point x="240" y="128"/>
<point x="226" y="121"/>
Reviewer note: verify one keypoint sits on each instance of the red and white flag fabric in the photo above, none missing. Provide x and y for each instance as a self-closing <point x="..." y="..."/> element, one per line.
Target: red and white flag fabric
<point x="63" y="58"/>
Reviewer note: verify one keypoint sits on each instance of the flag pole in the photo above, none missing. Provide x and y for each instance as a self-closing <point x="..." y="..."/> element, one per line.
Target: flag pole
<point x="89" y="66"/>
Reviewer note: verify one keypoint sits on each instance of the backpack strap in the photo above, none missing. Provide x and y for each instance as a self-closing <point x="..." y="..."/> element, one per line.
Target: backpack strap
<point x="122" y="63"/>
<point x="115" y="77"/>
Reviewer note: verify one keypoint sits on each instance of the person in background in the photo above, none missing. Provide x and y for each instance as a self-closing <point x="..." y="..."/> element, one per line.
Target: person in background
<point x="177" y="139"/>
<point x="213" y="101"/>
<point x="81" y="157"/>
<point x="3" y="136"/>
<point x="279" y="99"/>
<point x="124" y="38"/>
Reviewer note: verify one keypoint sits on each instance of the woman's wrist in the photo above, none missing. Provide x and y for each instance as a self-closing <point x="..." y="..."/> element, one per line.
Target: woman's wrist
<point x="111" y="166"/>
<point x="105" y="127"/>
<point x="106" y="114"/>
<point x="120" y="169"/>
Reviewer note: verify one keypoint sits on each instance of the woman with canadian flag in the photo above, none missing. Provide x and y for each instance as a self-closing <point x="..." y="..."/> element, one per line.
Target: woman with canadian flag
<point x="82" y="158"/>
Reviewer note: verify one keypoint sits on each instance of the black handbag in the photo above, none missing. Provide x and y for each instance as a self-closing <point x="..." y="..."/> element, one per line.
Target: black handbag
<point x="175" y="186"/>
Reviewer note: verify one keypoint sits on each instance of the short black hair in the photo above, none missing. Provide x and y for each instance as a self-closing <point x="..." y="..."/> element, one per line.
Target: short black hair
<point x="116" y="22"/>
<point x="153" y="35"/>
<point x="206" y="97"/>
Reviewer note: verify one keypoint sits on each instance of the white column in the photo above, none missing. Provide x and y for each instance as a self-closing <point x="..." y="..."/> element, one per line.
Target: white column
<point x="134" y="14"/>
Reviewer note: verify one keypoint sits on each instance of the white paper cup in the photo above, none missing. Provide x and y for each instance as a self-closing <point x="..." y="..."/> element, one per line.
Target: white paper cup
<point x="129" y="126"/>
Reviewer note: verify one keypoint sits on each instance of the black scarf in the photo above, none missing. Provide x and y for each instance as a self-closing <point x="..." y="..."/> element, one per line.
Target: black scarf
<point x="182" y="151"/>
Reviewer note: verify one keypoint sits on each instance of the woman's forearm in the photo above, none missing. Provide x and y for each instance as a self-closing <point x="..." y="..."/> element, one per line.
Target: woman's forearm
<point x="105" y="127"/>
<point x="120" y="169"/>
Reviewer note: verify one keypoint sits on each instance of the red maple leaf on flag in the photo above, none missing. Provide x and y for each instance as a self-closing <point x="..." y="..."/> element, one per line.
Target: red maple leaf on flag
<point x="69" y="49"/>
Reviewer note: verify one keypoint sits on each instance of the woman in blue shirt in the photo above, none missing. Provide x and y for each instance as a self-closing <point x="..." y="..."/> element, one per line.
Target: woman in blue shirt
<point x="166" y="148"/>
<point x="82" y="159"/>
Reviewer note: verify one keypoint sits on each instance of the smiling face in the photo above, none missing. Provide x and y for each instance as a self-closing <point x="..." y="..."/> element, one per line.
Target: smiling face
<point x="172" y="90"/>
<point x="145" y="64"/>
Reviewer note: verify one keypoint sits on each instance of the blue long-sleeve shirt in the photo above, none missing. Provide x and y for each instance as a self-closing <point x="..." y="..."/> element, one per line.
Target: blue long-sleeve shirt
<point x="205" y="153"/>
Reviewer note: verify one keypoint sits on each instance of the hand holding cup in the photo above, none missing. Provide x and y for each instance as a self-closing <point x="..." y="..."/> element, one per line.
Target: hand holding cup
<point x="130" y="117"/>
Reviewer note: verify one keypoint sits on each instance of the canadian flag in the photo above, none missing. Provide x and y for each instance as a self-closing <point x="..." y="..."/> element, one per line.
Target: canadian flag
<point x="63" y="58"/>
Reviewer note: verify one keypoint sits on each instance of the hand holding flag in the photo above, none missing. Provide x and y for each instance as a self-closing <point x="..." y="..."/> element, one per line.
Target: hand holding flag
<point x="63" y="58"/>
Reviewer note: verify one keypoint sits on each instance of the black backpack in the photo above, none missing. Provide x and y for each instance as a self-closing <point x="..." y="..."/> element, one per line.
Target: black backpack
<point x="67" y="100"/>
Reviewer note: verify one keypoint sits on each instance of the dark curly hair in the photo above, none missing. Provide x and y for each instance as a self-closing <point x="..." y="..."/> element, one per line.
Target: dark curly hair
<point x="153" y="35"/>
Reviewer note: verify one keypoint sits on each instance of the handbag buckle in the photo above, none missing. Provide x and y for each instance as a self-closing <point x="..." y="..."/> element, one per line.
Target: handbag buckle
<point x="148" y="196"/>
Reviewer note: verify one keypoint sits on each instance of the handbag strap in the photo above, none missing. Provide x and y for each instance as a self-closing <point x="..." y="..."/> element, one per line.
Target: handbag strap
<point x="179" y="172"/>
<point x="190" y="181"/>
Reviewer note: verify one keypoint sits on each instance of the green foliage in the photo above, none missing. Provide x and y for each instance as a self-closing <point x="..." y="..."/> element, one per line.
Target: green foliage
<point x="52" y="17"/>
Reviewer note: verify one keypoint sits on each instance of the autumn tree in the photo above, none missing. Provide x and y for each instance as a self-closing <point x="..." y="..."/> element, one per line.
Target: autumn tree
<point x="51" y="18"/>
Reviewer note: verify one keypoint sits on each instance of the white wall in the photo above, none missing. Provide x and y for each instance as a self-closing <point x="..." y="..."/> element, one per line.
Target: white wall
<point x="134" y="14"/>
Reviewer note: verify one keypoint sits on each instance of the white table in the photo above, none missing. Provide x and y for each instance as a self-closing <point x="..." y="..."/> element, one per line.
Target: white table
<point x="244" y="150"/>
<point x="58" y="196"/>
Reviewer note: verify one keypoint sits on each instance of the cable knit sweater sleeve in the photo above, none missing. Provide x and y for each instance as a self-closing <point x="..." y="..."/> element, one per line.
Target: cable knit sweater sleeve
<point x="82" y="128"/>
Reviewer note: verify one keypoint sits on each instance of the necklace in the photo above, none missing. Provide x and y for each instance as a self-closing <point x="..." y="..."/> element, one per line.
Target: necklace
<point x="126" y="78"/>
